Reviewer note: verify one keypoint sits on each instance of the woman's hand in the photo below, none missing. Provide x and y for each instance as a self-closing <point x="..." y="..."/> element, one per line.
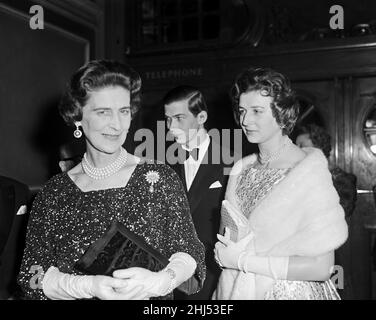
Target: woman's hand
<point x="109" y="288"/>
<point x="64" y="286"/>
<point x="154" y="284"/>
<point x="227" y="252"/>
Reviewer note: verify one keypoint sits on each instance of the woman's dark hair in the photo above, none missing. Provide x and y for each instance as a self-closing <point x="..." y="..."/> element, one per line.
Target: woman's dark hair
<point x="318" y="135"/>
<point x="196" y="101"/>
<point x="285" y="106"/>
<point x="95" y="75"/>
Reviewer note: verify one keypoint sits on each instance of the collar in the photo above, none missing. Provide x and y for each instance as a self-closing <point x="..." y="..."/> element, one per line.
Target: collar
<point x="203" y="145"/>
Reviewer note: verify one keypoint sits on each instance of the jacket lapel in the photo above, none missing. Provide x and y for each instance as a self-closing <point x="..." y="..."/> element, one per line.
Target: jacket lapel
<point x="179" y="169"/>
<point x="7" y="206"/>
<point x="200" y="182"/>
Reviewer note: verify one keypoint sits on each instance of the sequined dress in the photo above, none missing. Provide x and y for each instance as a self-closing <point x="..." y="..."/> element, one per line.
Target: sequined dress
<point x="64" y="221"/>
<point x="253" y="184"/>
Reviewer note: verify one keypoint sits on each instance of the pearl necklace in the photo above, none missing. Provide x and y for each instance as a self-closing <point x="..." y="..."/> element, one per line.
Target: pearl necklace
<point x="105" y="172"/>
<point x="265" y="159"/>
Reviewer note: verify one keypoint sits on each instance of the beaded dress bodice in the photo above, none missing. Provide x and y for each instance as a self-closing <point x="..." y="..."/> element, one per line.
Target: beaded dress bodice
<point x="254" y="183"/>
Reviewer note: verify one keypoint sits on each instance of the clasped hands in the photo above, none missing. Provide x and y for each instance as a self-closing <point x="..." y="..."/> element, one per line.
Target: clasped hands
<point x="131" y="284"/>
<point x="227" y="252"/>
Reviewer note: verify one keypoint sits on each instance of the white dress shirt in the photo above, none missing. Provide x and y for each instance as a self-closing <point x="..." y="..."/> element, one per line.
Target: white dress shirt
<point x="191" y="166"/>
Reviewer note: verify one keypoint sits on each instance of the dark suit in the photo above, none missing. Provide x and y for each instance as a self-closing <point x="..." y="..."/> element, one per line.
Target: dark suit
<point x="205" y="204"/>
<point x="13" y="199"/>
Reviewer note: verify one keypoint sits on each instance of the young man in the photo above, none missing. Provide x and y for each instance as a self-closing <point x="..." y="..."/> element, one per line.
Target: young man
<point x="201" y="171"/>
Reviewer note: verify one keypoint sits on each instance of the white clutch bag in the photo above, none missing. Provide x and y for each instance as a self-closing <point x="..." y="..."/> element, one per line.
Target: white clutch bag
<point x="234" y="220"/>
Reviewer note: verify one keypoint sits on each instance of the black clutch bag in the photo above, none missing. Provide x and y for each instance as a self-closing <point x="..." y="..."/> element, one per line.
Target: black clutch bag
<point x="119" y="248"/>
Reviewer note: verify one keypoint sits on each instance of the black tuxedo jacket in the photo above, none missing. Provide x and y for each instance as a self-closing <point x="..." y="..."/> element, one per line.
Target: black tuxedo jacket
<point x="205" y="204"/>
<point x="14" y="197"/>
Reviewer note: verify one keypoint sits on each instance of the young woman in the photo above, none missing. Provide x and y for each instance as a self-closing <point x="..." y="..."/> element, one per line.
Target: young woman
<point x="285" y="195"/>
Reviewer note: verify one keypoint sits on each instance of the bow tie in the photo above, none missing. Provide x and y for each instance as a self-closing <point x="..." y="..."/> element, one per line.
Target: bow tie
<point x="194" y="153"/>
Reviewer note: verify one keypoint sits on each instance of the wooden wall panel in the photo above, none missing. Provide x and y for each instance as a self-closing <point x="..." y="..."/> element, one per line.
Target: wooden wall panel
<point x="363" y="164"/>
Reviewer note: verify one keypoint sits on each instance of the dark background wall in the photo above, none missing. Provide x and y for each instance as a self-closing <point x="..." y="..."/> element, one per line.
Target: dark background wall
<point x="35" y="66"/>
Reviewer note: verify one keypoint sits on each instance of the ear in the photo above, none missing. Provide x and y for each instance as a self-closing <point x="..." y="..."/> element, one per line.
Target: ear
<point x="202" y="117"/>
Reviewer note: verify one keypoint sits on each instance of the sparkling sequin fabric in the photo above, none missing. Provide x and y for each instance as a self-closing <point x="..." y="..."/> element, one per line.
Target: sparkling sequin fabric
<point x="302" y="290"/>
<point x="254" y="183"/>
<point x="64" y="221"/>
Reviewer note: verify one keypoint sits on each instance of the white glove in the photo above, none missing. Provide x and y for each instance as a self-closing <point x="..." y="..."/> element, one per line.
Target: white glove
<point x="236" y="255"/>
<point x="227" y="252"/>
<point x="64" y="286"/>
<point x="156" y="284"/>
<point x="273" y="267"/>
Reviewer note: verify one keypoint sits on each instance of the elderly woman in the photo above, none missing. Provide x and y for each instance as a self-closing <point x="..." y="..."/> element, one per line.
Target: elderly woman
<point x="286" y="220"/>
<point x="75" y="208"/>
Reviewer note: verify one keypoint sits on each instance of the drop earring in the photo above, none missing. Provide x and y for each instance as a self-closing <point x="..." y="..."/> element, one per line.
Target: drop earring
<point x="77" y="133"/>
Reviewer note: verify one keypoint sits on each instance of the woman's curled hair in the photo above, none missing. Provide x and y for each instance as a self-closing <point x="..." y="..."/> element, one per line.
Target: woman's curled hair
<point x="285" y="106"/>
<point x="96" y="75"/>
<point x="319" y="136"/>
